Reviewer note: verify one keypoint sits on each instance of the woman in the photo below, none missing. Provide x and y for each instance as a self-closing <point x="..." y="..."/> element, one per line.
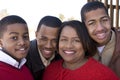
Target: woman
<point x="76" y="49"/>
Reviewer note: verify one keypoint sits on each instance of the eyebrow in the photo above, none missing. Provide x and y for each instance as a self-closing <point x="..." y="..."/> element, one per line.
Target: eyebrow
<point x="104" y="17"/>
<point x="17" y="33"/>
<point x="67" y="37"/>
<point x="100" y="18"/>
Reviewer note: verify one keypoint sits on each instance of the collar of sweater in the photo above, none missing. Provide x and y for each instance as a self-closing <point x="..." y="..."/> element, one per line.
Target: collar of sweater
<point x="11" y="61"/>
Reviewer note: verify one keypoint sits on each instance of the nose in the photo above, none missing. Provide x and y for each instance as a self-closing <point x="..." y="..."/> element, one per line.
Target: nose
<point x="69" y="44"/>
<point x="21" y="42"/>
<point x="49" y="44"/>
<point x="100" y="26"/>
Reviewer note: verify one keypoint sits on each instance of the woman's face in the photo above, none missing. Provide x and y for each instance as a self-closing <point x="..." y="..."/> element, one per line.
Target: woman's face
<point x="70" y="46"/>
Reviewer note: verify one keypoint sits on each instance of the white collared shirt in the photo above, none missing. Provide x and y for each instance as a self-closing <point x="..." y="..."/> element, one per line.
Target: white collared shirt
<point x="100" y="49"/>
<point x="106" y="52"/>
<point x="11" y="61"/>
<point x="45" y="61"/>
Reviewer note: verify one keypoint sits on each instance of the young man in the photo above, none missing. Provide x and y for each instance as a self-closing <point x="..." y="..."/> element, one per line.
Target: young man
<point x="42" y="49"/>
<point x="14" y="41"/>
<point x="97" y="21"/>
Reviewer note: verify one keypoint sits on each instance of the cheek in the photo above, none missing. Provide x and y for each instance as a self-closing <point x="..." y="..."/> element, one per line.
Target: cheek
<point x="10" y="48"/>
<point x="81" y="50"/>
<point x="60" y="51"/>
<point x="54" y="44"/>
<point x="90" y="31"/>
<point x="40" y="44"/>
<point x="81" y="53"/>
<point x="61" y="44"/>
<point x="108" y="27"/>
<point x="79" y="47"/>
<point x="60" y="47"/>
<point x="28" y="43"/>
<point x="5" y="44"/>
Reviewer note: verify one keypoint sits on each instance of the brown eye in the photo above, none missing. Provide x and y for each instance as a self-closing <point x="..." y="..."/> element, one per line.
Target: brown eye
<point x="63" y="40"/>
<point x="104" y="20"/>
<point x="26" y="37"/>
<point x="14" y="38"/>
<point x="91" y="23"/>
<point x="54" y="40"/>
<point x="43" y="39"/>
<point x="77" y="40"/>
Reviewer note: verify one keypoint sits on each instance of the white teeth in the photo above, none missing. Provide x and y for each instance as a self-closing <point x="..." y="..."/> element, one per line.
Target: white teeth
<point x="47" y="52"/>
<point x="22" y="49"/>
<point x="69" y="52"/>
<point x="100" y="36"/>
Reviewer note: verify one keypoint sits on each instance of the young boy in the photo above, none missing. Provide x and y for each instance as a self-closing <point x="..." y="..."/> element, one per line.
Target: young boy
<point x="14" y="41"/>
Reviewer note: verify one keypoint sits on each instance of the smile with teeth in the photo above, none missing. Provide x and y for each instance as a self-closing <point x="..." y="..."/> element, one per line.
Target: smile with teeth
<point x="47" y="51"/>
<point x="101" y="35"/>
<point x="69" y="52"/>
<point x="22" y="49"/>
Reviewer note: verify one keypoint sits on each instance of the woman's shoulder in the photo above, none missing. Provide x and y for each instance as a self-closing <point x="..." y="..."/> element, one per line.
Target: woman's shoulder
<point x="55" y="64"/>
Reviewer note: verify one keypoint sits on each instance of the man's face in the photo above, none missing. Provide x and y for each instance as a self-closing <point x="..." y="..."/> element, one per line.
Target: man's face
<point x="98" y="25"/>
<point x="46" y="40"/>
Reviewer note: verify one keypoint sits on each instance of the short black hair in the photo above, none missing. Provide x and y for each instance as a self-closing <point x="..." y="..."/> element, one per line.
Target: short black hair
<point x="92" y="6"/>
<point x="87" y="42"/>
<point x="11" y="19"/>
<point x="50" y="21"/>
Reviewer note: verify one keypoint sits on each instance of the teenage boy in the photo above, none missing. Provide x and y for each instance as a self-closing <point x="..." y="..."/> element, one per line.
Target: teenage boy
<point x="107" y="38"/>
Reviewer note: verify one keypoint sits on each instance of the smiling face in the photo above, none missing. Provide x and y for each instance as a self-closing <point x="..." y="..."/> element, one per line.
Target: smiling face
<point x="15" y="41"/>
<point x="70" y="46"/>
<point x="46" y="40"/>
<point x="98" y="25"/>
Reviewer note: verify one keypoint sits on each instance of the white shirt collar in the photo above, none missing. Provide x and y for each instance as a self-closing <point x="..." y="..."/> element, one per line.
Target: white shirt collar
<point x="11" y="61"/>
<point x="45" y="61"/>
<point x="100" y="49"/>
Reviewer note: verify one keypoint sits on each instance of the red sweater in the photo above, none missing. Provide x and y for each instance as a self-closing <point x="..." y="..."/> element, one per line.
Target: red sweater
<point x="91" y="70"/>
<point x="8" y="72"/>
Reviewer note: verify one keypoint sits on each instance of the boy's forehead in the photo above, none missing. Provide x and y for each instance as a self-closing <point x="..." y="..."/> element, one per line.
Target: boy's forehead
<point x="87" y="11"/>
<point x="17" y="27"/>
<point x="98" y="11"/>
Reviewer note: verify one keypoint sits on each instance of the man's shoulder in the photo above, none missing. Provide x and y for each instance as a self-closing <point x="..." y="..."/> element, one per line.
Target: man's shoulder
<point x="33" y="42"/>
<point x="117" y="44"/>
<point x="117" y="32"/>
<point x="33" y="47"/>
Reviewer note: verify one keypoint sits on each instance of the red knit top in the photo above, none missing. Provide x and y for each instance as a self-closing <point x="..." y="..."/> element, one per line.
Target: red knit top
<point x="91" y="70"/>
<point x="8" y="72"/>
